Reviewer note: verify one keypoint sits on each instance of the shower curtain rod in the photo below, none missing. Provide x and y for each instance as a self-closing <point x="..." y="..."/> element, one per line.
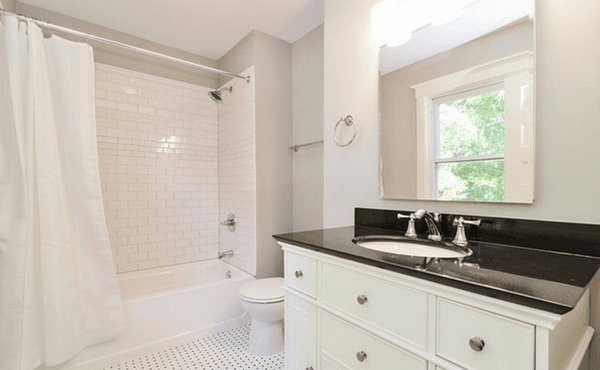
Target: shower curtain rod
<point x="88" y="36"/>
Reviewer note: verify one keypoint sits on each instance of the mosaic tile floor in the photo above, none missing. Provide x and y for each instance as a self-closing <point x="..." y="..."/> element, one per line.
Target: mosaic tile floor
<point x="223" y="351"/>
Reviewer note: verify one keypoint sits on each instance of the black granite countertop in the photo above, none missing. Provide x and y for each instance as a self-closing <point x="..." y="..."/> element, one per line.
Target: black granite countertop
<point x="548" y="280"/>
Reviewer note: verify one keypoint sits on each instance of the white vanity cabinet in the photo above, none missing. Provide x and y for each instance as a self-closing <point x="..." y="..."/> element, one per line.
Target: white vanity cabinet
<point x="343" y="315"/>
<point x="301" y="333"/>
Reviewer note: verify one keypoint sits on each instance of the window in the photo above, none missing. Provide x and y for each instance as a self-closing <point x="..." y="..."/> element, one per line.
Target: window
<point x="475" y="133"/>
<point x="469" y="145"/>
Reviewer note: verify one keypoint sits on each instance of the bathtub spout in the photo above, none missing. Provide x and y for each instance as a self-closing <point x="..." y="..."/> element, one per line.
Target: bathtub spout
<point x="226" y="254"/>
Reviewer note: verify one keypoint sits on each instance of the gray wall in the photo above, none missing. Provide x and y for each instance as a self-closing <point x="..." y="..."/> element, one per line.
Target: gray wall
<point x="398" y="112"/>
<point x="118" y="57"/>
<point x="568" y="106"/>
<point x="272" y="60"/>
<point x="240" y="57"/>
<point x="307" y="121"/>
<point x="8" y="5"/>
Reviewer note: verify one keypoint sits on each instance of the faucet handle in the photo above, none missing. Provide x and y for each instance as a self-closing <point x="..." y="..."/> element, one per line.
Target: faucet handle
<point x="461" y="237"/>
<point x="410" y="230"/>
<point x="460" y="221"/>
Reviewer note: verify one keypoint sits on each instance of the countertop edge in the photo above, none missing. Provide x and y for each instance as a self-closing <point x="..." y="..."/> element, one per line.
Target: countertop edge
<point x="490" y="292"/>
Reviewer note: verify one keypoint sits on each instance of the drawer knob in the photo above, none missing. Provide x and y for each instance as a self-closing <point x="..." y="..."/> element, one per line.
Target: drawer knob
<point x="361" y="356"/>
<point x="298" y="274"/>
<point x="310" y="368"/>
<point x="476" y="344"/>
<point x="361" y="299"/>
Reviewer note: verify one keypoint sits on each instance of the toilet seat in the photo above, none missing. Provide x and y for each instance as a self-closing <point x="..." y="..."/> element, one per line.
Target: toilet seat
<point x="263" y="291"/>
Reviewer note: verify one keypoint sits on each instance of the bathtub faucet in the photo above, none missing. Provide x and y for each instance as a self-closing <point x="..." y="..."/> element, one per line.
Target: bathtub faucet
<point x="226" y="254"/>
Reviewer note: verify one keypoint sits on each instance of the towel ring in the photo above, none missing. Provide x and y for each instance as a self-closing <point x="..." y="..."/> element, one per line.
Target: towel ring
<point x="349" y="121"/>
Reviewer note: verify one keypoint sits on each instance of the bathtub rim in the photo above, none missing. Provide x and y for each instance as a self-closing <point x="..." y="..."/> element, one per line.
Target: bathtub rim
<point x="239" y="274"/>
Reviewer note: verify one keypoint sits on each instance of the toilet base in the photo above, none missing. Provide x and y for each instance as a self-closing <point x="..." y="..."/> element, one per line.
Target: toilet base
<point x="266" y="338"/>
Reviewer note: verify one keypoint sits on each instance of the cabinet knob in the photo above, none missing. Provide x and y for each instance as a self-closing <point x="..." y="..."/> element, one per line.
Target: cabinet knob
<point x="298" y="274"/>
<point x="476" y="344"/>
<point x="361" y="299"/>
<point x="310" y="368"/>
<point x="361" y="356"/>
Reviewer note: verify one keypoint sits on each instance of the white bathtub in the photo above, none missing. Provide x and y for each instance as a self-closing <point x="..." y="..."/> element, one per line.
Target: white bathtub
<point x="169" y="306"/>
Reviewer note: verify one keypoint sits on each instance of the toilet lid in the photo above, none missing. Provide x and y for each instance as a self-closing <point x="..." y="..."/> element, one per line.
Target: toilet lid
<point x="263" y="290"/>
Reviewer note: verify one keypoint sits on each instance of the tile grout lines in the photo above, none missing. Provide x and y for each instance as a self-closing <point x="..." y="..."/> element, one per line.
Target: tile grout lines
<point x="223" y="351"/>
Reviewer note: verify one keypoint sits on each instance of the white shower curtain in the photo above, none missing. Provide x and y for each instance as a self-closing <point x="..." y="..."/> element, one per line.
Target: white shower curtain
<point x="58" y="289"/>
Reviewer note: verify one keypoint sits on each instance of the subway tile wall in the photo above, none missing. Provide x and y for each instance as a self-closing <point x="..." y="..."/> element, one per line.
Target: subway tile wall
<point x="237" y="171"/>
<point x="159" y="168"/>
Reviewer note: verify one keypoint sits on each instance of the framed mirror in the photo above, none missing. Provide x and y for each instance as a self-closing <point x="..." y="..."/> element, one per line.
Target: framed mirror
<point x="457" y="107"/>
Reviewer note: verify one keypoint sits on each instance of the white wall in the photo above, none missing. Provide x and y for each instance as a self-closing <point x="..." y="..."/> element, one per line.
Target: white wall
<point x="307" y="122"/>
<point x="351" y="87"/>
<point x="568" y="107"/>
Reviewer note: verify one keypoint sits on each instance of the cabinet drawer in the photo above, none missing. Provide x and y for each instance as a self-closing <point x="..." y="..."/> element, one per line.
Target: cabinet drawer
<point x="356" y="349"/>
<point x="504" y="343"/>
<point x="392" y="308"/>
<point x="301" y="273"/>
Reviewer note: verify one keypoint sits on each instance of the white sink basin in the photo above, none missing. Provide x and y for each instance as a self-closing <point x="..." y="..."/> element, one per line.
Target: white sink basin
<point x="409" y="247"/>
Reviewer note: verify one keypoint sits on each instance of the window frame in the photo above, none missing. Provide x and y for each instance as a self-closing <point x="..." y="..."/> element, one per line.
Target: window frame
<point x="512" y="71"/>
<point x="435" y="118"/>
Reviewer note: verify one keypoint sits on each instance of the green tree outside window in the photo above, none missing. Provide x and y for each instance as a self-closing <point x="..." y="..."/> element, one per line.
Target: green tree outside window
<point x="472" y="127"/>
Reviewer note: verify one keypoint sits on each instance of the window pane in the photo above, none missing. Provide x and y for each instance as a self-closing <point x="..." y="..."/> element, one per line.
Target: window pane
<point x="475" y="181"/>
<point x="472" y="126"/>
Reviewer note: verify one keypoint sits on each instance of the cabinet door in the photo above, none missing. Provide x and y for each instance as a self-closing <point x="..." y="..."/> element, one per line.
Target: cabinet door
<point x="300" y="333"/>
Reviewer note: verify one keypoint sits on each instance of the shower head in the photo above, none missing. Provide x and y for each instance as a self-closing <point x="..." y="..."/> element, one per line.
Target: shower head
<point x="216" y="95"/>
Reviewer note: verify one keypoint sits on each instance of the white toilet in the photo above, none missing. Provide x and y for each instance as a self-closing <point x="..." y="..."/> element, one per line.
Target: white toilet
<point x="263" y="301"/>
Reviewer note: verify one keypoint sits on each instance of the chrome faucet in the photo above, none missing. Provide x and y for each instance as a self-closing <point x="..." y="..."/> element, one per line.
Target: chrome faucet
<point x="433" y="223"/>
<point x="410" y="230"/>
<point x="461" y="237"/>
<point x="226" y="254"/>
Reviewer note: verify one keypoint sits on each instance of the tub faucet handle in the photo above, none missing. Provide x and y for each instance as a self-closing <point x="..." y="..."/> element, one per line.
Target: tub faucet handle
<point x="231" y="222"/>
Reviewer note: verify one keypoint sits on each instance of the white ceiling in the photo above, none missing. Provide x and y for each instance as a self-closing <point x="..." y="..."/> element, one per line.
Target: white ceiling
<point x="478" y="19"/>
<point x="208" y="28"/>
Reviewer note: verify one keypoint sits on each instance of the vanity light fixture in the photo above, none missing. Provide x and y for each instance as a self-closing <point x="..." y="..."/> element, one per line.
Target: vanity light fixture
<point x="444" y="11"/>
<point x="391" y="23"/>
<point x="394" y="21"/>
